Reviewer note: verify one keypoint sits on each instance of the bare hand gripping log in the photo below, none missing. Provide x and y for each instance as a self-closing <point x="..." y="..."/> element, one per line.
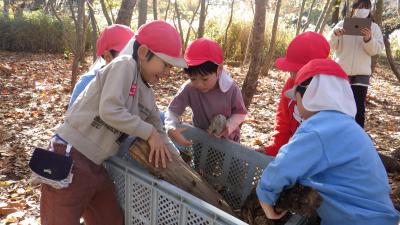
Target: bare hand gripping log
<point x="179" y="174"/>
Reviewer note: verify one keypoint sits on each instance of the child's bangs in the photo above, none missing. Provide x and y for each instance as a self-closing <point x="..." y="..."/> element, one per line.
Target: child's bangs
<point x="203" y="69"/>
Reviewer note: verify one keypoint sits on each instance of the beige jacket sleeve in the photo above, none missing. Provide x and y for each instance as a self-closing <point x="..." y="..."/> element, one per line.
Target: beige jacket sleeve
<point x="112" y="107"/>
<point x="332" y="38"/>
<point x="375" y="45"/>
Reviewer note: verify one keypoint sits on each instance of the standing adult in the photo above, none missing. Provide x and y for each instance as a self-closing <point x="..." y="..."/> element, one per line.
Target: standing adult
<point x="353" y="54"/>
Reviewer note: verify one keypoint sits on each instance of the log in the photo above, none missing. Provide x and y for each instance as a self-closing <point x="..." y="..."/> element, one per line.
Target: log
<point x="179" y="174"/>
<point x="390" y="163"/>
<point x="298" y="199"/>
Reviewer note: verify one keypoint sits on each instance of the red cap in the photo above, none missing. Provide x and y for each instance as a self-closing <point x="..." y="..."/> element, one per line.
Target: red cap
<point x="303" y="48"/>
<point x="313" y="68"/>
<point x="202" y="50"/>
<point x="163" y="40"/>
<point x="113" y="37"/>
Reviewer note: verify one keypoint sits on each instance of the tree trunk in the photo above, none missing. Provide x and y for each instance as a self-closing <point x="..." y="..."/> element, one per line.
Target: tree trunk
<point x="389" y="57"/>
<point x="80" y="30"/>
<point x="155" y="14"/>
<point x="336" y="11"/>
<point x="142" y="12"/>
<point x="299" y="20"/>
<point x="105" y="12"/>
<point x="248" y="46"/>
<point x="94" y="28"/>
<point x="111" y="11"/>
<point x="308" y="15"/>
<point x="346" y="8"/>
<point x="327" y="14"/>
<point x="178" y="16"/>
<point x="125" y="12"/>
<point x="166" y="11"/>
<point x="38" y="4"/>
<point x="250" y="82"/>
<point x="6" y="7"/>
<point x="202" y="20"/>
<point x="227" y="28"/>
<point x="249" y="37"/>
<point x="179" y="174"/>
<point x="378" y="20"/>
<point x="271" y="49"/>
<point x="378" y="12"/>
<point x="398" y="7"/>
<point x="190" y="25"/>
<point x="322" y="15"/>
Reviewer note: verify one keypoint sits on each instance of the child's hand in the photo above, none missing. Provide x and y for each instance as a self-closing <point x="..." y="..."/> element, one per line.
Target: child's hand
<point x="223" y="134"/>
<point x="176" y="134"/>
<point x="261" y="150"/>
<point x="158" y="149"/>
<point x="339" y="31"/>
<point x="367" y="34"/>
<point x="270" y="212"/>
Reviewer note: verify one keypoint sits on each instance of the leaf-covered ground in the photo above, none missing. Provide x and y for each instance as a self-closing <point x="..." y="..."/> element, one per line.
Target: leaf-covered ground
<point x="35" y="90"/>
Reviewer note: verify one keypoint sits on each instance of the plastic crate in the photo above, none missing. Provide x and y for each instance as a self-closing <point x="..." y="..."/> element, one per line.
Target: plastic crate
<point x="147" y="200"/>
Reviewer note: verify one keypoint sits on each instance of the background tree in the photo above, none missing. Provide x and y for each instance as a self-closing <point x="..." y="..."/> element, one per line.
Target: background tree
<point x="155" y="13"/>
<point x="202" y="20"/>
<point x="249" y="38"/>
<point x="190" y="27"/>
<point x="227" y="28"/>
<point x="326" y="16"/>
<point x="178" y="17"/>
<point x="94" y="28"/>
<point x="125" y="12"/>
<point x="336" y="11"/>
<point x="80" y="30"/>
<point x="309" y="15"/>
<point x="105" y="12"/>
<point x="322" y="15"/>
<point x="6" y="7"/>
<point x="250" y="82"/>
<point x="142" y="12"/>
<point x="299" y="20"/>
<point x="166" y="11"/>
<point x="271" y="50"/>
<point x="378" y="13"/>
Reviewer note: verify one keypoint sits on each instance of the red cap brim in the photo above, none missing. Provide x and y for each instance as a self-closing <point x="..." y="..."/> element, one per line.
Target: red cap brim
<point x="195" y="62"/>
<point x="285" y="65"/>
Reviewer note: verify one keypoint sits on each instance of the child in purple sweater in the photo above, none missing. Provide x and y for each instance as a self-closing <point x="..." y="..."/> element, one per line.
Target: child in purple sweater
<point x="209" y="92"/>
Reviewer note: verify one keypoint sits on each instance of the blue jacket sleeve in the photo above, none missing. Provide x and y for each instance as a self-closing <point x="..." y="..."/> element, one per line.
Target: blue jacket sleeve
<point x="79" y="87"/>
<point x="300" y="159"/>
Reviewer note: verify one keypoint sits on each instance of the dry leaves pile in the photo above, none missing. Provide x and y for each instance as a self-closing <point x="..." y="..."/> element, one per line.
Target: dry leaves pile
<point x="35" y="90"/>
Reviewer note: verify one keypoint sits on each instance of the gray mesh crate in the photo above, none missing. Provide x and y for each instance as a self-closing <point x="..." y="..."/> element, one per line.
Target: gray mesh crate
<point x="147" y="200"/>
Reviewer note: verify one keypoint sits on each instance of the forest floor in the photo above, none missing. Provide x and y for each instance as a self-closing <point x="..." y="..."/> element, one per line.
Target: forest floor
<point x="34" y="93"/>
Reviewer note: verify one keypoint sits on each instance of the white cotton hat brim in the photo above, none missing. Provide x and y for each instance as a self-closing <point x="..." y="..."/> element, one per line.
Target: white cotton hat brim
<point x="327" y="92"/>
<point x="178" y="62"/>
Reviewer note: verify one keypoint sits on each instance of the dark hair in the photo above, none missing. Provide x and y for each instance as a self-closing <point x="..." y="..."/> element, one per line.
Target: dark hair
<point x="359" y="3"/>
<point x="203" y="69"/>
<point x="136" y="46"/>
<point x="303" y="86"/>
<point x="112" y="52"/>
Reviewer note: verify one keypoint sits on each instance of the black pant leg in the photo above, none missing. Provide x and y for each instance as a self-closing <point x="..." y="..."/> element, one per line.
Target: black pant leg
<point x="360" y="95"/>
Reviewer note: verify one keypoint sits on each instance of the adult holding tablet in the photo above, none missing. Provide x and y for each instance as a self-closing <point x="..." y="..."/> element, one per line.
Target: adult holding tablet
<point x="353" y="51"/>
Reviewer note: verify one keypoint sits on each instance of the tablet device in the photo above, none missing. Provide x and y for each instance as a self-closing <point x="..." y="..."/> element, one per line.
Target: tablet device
<point x="352" y="25"/>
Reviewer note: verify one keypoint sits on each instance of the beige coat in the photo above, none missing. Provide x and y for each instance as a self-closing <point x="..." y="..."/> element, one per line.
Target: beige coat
<point x="105" y="111"/>
<point x="352" y="53"/>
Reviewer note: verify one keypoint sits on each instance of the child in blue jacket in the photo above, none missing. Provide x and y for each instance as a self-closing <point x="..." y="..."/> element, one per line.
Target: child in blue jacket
<point x="330" y="153"/>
